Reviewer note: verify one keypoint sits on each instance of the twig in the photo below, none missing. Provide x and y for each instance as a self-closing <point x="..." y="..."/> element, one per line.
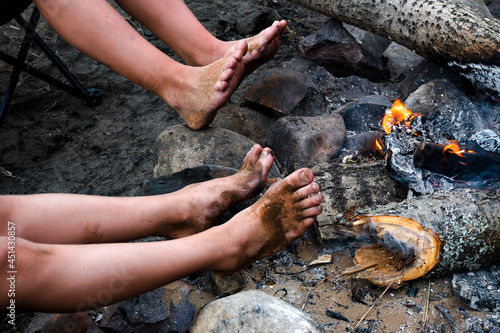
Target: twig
<point x="426" y="312"/>
<point x="376" y="301"/>
<point x="446" y="315"/>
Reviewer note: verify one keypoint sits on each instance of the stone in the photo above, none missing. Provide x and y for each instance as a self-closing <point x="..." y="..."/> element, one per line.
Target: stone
<point x="178" y="148"/>
<point x="247" y="122"/>
<point x="349" y="190"/>
<point x="371" y="42"/>
<point x="253" y="23"/>
<point x="427" y="71"/>
<point x="67" y="322"/>
<point x="400" y="61"/>
<point x="286" y="92"/>
<point x="365" y="114"/>
<point x="253" y="311"/>
<point x="306" y="141"/>
<point x="479" y="290"/>
<point x="338" y="51"/>
<point x="446" y="112"/>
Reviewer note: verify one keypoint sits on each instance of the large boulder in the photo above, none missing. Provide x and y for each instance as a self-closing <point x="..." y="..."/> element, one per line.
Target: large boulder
<point x="256" y="312"/>
<point x="306" y="141"/>
<point x="178" y="148"/>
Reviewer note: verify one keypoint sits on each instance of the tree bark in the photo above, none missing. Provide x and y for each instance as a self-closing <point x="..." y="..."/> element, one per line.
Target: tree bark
<point x="443" y="31"/>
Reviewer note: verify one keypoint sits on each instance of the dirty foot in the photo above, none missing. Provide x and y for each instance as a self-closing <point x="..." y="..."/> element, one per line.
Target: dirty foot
<point x="282" y="215"/>
<point x="204" y="203"/>
<point x="261" y="48"/>
<point x="199" y="92"/>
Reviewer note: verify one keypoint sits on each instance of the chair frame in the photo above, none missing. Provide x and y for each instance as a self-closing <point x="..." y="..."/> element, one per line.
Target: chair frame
<point x="91" y="97"/>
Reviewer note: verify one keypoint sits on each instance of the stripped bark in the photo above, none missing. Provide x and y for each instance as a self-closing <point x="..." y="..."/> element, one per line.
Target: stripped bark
<point x="443" y="31"/>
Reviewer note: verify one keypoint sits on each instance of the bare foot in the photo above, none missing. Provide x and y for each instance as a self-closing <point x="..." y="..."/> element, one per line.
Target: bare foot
<point x="261" y="48"/>
<point x="197" y="93"/>
<point x="207" y="201"/>
<point x="282" y="215"/>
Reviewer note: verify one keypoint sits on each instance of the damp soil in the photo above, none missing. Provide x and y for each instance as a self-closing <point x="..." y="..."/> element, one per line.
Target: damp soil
<point x="52" y="142"/>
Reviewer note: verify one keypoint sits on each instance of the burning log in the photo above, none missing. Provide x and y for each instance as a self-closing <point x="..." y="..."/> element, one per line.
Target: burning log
<point x="446" y="32"/>
<point x="430" y="235"/>
<point x="469" y="163"/>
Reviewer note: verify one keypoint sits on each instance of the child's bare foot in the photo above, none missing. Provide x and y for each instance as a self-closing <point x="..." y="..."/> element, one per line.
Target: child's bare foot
<point x="282" y="215"/>
<point x="261" y="48"/>
<point x="197" y="93"/>
<point x="206" y="202"/>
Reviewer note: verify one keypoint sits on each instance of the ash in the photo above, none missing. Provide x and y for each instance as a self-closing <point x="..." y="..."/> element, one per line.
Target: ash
<point x="440" y="126"/>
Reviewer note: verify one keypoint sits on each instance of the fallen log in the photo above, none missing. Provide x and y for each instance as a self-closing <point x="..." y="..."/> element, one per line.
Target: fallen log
<point x="465" y="222"/>
<point x="445" y="32"/>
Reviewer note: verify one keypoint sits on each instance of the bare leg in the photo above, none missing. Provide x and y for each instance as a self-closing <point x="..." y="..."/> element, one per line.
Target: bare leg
<point x="176" y="26"/>
<point x="69" y="278"/>
<point x="96" y="29"/>
<point x="79" y="219"/>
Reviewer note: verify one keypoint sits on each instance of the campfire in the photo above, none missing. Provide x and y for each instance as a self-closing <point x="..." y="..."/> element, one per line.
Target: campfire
<point x="405" y="241"/>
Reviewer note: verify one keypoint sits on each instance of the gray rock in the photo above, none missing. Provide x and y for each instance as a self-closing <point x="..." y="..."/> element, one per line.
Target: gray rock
<point x="479" y="290"/>
<point x="400" y="61"/>
<point x="253" y="311"/>
<point x="365" y="114"/>
<point x="254" y="22"/>
<point x="338" y="51"/>
<point x="287" y="92"/>
<point x="247" y="122"/>
<point x="178" y="148"/>
<point x="372" y="43"/>
<point x="447" y="113"/>
<point x="306" y="141"/>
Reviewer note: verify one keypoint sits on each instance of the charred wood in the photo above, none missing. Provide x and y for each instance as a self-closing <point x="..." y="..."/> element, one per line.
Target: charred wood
<point x="349" y="189"/>
<point x="472" y="163"/>
<point x="446" y="32"/>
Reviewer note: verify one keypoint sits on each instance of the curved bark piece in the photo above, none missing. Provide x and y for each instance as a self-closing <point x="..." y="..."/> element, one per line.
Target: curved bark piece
<point x="466" y="222"/>
<point x="446" y="32"/>
<point x="402" y="250"/>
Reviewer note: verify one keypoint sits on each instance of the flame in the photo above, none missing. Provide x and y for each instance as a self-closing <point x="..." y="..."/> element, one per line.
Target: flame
<point x="453" y="146"/>
<point x="379" y="145"/>
<point x="396" y="114"/>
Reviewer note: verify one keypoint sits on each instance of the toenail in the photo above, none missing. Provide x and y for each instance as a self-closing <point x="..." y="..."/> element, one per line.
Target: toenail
<point x="303" y="176"/>
<point x="315" y="187"/>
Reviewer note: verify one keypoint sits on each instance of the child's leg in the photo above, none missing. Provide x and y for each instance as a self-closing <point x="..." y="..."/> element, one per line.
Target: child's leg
<point x="80" y="219"/>
<point x="176" y="26"/>
<point x="69" y="278"/>
<point x="96" y="29"/>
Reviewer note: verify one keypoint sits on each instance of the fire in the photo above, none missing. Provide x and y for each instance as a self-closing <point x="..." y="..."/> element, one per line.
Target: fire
<point x="397" y="113"/>
<point x="453" y="146"/>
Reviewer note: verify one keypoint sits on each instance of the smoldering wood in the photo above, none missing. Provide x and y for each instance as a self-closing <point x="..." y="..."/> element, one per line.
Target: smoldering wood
<point x="350" y="188"/>
<point x="446" y="32"/>
<point x="473" y="163"/>
<point x="467" y="222"/>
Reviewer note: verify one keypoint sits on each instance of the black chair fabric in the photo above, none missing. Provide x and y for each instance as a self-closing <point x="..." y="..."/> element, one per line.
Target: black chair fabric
<point x="10" y="8"/>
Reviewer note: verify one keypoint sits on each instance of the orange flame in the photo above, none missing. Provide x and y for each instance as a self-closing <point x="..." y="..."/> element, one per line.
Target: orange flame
<point x="453" y="146"/>
<point x="379" y="145"/>
<point x="395" y="115"/>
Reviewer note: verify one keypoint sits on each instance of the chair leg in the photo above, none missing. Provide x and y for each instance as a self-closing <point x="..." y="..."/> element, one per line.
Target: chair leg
<point x="90" y="96"/>
<point x="16" y="72"/>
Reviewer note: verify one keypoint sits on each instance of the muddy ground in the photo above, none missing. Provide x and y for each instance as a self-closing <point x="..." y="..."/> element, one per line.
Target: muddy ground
<point x="51" y="142"/>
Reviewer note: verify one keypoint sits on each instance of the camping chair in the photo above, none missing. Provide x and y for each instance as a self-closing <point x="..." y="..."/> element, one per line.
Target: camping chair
<point x="10" y="9"/>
